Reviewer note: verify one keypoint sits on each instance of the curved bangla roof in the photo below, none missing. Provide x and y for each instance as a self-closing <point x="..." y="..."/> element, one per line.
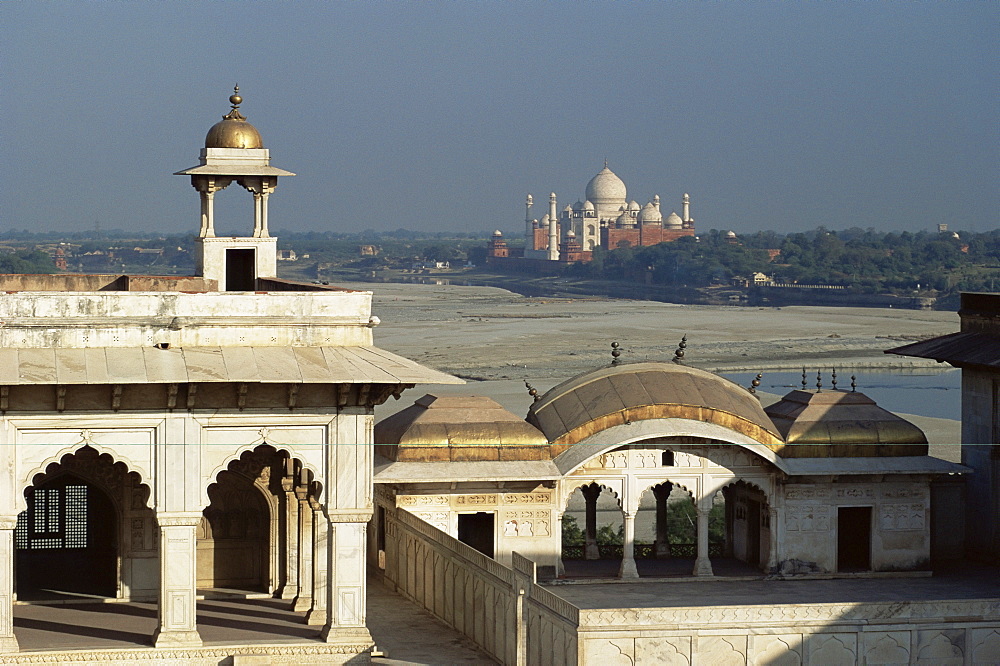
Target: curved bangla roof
<point x="594" y="401"/>
<point x="458" y="428"/>
<point x="836" y="424"/>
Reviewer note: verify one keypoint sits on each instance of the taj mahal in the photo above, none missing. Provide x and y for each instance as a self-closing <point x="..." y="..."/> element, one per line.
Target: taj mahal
<point x="606" y="218"/>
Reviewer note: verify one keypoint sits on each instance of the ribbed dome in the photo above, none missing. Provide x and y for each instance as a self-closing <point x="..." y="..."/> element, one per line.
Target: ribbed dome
<point x="606" y="188"/>
<point x="649" y="214"/>
<point x="233" y="131"/>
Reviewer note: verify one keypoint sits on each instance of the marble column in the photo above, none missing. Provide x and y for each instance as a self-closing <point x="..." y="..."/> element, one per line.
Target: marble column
<point x="772" y="541"/>
<point x="8" y="642"/>
<point x="560" y="565"/>
<point x="257" y="215"/>
<point x="661" y="493"/>
<point x="703" y="565"/>
<point x="317" y="614"/>
<point x="590" y="495"/>
<point x="628" y="569"/>
<point x="290" y="589"/>
<point x="207" y="213"/>
<point x="346" y="582"/>
<point x="177" y="602"/>
<point x="263" y="212"/>
<point x="303" y="600"/>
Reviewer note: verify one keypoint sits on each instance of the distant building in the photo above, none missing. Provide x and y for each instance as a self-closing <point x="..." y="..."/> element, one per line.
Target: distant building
<point x="606" y="218"/>
<point x="287" y="255"/>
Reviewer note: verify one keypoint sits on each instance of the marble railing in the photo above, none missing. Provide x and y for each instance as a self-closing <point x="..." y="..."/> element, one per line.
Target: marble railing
<point x="502" y="609"/>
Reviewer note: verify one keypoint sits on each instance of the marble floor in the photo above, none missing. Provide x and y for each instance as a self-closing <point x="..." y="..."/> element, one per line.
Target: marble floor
<point x="403" y="632"/>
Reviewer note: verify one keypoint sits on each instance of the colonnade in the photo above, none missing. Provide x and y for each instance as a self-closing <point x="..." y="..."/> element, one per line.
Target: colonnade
<point x="661" y="493"/>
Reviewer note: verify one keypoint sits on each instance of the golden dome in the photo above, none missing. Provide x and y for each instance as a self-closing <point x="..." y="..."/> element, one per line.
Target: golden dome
<point x="233" y="131"/>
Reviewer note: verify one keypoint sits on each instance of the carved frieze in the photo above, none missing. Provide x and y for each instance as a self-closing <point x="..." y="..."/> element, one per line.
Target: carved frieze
<point x="806" y="493"/>
<point x="527" y="523"/>
<point x="527" y="498"/>
<point x="807" y="518"/>
<point x="855" y="493"/>
<point x="898" y="517"/>
<point x="475" y="500"/>
<point x="422" y="500"/>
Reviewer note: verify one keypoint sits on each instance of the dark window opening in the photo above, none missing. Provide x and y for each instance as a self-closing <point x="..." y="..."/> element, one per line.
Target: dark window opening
<point x="668" y="459"/>
<point x="854" y="538"/>
<point x="241" y="269"/>
<point x="476" y="530"/>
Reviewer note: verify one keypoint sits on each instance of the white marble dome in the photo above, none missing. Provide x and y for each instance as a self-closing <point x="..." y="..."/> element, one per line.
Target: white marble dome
<point x="588" y="205"/>
<point x="606" y="187"/>
<point x="649" y="214"/>
<point x="674" y="221"/>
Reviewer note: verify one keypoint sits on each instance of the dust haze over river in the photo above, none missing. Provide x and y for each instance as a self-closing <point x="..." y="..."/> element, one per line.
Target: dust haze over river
<point x="496" y="339"/>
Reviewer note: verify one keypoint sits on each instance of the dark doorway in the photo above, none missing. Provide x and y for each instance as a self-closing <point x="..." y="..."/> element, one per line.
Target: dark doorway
<point x="67" y="541"/>
<point x="241" y="270"/>
<point x="476" y="530"/>
<point x="753" y="532"/>
<point x="854" y="538"/>
<point x="233" y="547"/>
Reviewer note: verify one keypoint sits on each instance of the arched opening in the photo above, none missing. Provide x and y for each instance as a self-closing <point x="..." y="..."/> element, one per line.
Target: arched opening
<point x="69" y="539"/>
<point x="740" y="534"/>
<point x="666" y="531"/>
<point x="240" y="524"/>
<point x="592" y="533"/>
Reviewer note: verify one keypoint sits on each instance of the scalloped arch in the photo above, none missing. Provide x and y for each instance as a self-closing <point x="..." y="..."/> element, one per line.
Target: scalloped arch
<point x="21" y="502"/>
<point x="238" y="454"/>
<point x="586" y="482"/>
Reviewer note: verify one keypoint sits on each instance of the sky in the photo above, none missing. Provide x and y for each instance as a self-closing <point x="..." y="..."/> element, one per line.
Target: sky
<point x="442" y="116"/>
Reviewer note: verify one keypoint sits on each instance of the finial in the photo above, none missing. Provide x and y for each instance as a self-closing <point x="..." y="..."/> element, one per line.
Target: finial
<point x="679" y="353"/>
<point x="819" y="382"/>
<point x="833" y="379"/>
<point x="615" y="353"/>
<point x="532" y="391"/>
<point x="605" y="162"/>
<point x="803" y="378"/>
<point x="854" y="383"/>
<point x="756" y="382"/>
<point x="235" y="100"/>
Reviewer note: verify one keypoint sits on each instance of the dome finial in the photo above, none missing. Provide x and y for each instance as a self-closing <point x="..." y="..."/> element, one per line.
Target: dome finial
<point x="235" y="98"/>
<point x="605" y="162"/>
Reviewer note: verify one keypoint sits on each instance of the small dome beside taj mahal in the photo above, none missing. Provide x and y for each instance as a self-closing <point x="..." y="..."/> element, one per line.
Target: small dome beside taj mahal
<point x="606" y="187"/>
<point x="649" y="214"/>
<point x="233" y="131"/>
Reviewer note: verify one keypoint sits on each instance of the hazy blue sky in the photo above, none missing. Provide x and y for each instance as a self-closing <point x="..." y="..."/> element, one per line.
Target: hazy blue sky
<point x="444" y="115"/>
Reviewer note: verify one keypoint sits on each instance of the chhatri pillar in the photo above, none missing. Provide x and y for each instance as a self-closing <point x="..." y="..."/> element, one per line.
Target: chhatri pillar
<point x="661" y="493"/>
<point x="590" y="495"/>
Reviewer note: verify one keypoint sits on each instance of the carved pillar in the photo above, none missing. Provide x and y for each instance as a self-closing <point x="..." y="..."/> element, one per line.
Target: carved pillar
<point x="8" y="642"/>
<point x="317" y="614"/>
<point x="265" y="193"/>
<point x="590" y="495"/>
<point x="661" y="493"/>
<point x="291" y="560"/>
<point x="628" y="569"/>
<point x="703" y="565"/>
<point x="560" y="565"/>
<point x="303" y="600"/>
<point x="772" y="541"/>
<point x="257" y="215"/>
<point x="730" y="513"/>
<point x="177" y="602"/>
<point x="346" y="580"/>
<point x="207" y="214"/>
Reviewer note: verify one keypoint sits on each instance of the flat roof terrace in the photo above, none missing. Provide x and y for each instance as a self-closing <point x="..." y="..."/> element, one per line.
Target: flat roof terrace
<point x="966" y="582"/>
<point x="120" y="282"/>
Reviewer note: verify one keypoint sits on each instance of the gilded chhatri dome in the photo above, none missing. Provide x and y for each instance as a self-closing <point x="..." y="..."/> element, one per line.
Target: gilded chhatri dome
<point x="233" y="131"/>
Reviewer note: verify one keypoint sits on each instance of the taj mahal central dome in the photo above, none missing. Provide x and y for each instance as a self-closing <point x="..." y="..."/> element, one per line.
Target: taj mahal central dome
<point x="606" y="187"/>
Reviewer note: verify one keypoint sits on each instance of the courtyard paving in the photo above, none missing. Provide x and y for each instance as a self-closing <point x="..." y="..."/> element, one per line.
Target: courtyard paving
<point x="406" y="633"/>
